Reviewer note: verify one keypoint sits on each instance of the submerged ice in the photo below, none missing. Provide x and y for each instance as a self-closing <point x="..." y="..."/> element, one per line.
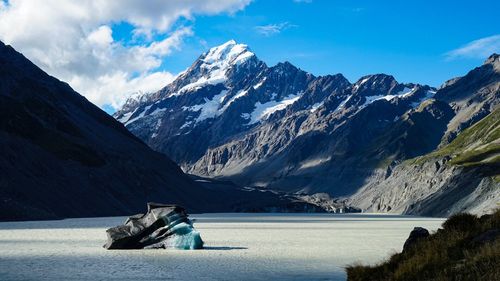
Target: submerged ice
<point x="185" y="237"/>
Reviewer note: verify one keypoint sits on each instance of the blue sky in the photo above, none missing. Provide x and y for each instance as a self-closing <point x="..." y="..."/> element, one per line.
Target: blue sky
<point x="408" y="39"/>
<point x="108" y="50"/>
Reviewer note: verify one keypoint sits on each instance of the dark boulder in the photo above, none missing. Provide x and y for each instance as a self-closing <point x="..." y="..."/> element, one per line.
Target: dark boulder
<point x="163" y="226"/>
<point x="417" y="234"/>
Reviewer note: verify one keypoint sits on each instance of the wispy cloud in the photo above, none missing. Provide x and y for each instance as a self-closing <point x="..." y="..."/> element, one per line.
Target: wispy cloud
<point x="480" y="48"/>
<point x="273" y="29"/>
<point x="303" y="1"/>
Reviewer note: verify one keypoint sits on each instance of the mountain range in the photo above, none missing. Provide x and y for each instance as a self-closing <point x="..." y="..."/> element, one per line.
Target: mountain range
<point x="380" y="144"/>
<point x="250" y="138"/>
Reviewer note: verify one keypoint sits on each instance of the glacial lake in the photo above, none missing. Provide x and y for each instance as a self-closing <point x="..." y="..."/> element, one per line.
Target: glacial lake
<point x="238" y="247"/>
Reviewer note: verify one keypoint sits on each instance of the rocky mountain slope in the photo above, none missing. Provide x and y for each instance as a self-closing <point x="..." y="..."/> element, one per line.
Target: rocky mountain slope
<point x="61" y="156"/>
<point x="463" y="176"/>
<point x="232" y="117"/>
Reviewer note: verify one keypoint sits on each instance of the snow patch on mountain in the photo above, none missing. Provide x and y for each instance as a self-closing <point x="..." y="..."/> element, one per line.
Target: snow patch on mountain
<point x="157" y="110"/>
<point x="429" y="94"/>
<point x="313" y="162"/>
<point x="238" y="95"/>
<point x="401" y="94"/>
<point x="263" y="110"/>
<point x="210" y="108"/>
<point x="124" y="119"/>
<point x="356" y="87"/>
<point x="227" y="53"/>
<point x="143" y="113"/>
<point x="246" y="115"/>
<point x="315" y="106"/>
<point x="259" y="84"/>
<point x="157" y="127"/>
<point x="138" y="96"/>
<point x="342" y="104"/>
<point x="216" y="77"/>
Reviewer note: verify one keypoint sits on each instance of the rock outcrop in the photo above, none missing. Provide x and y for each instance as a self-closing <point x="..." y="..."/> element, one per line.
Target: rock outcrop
<point x="417" y="234"/>
<point x="163" y="226"/>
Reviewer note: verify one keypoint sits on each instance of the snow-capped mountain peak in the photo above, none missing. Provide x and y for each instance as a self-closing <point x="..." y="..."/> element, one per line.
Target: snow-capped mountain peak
<point x="229" y="53"/>
<point x="213" y="66"/>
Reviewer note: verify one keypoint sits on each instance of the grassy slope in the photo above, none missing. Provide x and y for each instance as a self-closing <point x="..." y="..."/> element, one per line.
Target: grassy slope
<point x="478" y="145"/>
<point x="452" y="253"/>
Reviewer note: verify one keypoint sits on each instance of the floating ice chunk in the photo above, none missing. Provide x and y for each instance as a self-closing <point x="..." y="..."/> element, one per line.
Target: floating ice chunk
<point x="163" y="226"/>
<point x="185" y="237"/>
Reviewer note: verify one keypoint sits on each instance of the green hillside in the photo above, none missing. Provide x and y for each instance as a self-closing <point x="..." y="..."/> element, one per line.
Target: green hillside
<point x="478" y="145"/>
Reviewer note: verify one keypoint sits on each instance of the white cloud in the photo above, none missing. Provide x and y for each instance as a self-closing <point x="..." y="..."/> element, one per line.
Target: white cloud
<point x="303" y="1"/>
<point x="481" y="48"/>
<point x="273" y="29"/>
<point x="73" y="40"/>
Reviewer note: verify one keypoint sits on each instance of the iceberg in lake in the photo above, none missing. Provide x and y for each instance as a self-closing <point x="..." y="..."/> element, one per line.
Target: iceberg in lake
<point x="163" y="226"/>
